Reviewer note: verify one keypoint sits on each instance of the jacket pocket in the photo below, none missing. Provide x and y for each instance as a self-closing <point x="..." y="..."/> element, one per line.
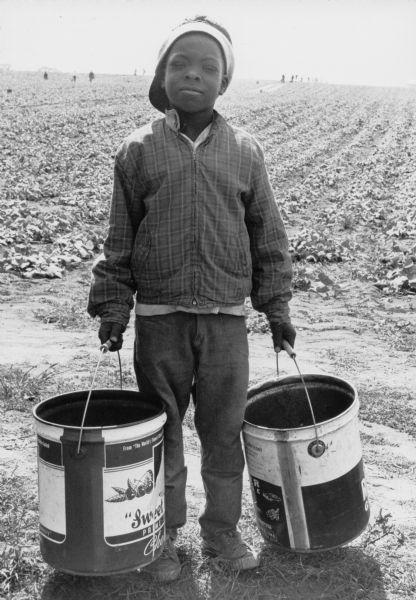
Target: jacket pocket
<point x="237" y="260"/>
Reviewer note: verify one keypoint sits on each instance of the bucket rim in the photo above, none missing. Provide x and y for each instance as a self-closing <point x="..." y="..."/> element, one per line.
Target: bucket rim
<point x="96" y="427"/>
<point x="264" y="385"/>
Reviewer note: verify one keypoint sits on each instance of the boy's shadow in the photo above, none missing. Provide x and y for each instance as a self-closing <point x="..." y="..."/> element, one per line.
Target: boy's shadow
<point x="342" y="574"/>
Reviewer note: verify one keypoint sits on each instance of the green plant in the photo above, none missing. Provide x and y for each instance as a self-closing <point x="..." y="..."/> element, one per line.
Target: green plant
<point x="382" y="528"/>
<point x="19" y="559"/>
<point x="19" y="385"/>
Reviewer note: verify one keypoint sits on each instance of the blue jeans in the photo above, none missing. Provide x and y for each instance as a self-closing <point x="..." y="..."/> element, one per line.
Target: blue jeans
<point x="207" y="355"/>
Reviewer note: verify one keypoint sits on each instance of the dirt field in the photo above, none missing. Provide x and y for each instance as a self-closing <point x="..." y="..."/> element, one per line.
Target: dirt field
<point x="344" y="186"/>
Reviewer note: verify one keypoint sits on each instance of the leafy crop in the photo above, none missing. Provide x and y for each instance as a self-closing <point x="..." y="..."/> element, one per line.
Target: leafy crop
<point x="340" y="160"/>
<point x="341" y="164"/>
<point x="58" y="143"/>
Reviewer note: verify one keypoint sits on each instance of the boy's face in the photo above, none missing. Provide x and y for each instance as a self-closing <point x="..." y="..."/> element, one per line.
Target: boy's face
<point x="194" y="73"/>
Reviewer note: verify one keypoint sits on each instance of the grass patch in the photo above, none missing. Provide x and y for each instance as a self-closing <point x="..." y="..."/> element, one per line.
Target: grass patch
<point x="21" y="566"/>
<point x="388" y="406"/>
<point x="70" y="314"/>
<point x="108" y="376"/>
<point x="20" y="386"/>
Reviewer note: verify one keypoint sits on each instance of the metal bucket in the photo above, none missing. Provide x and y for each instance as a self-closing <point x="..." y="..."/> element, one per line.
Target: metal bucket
<point x="306" y="470"/>
<point x="101" y="502"/>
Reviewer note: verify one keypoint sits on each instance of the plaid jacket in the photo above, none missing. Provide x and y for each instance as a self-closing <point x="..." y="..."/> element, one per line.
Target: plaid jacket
<point x="191" y="228"/>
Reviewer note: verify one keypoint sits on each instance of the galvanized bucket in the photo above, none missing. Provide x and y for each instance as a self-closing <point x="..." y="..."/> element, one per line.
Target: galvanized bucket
<point x="306" y="470"/>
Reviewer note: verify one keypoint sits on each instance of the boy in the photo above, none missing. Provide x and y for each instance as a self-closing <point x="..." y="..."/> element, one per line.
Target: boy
<point x="194" y="230"/>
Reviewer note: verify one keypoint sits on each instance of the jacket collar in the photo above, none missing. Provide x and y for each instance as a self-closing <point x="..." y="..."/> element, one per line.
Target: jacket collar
<point x="172" y="119"/>
<point x="174" y="123"/>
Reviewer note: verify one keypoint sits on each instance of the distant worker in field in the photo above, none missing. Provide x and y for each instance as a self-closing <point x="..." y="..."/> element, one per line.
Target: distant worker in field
<point x="91" y="76"/>
<point x="282" y="79"/>
<point x="194" y="230"/>
<point x="292" y="79"/>
<point x="74" y="79"/>
<point x="45" y="75"/>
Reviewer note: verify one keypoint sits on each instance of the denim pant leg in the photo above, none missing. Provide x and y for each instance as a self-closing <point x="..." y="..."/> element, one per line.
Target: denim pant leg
<point x="221" y="397"/>
<point x="164" y="364"/>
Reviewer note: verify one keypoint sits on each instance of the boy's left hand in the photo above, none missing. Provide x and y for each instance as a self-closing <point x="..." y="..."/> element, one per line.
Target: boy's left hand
<point x="282" y="331"/>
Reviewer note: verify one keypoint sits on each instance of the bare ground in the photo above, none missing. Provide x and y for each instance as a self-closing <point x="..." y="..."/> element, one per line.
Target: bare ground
<point x="334" y="336"/>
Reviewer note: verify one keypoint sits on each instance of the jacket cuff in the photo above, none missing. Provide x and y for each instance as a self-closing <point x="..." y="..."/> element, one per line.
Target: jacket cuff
<point x="113" y="313"/>
<point x="278" y="313"/>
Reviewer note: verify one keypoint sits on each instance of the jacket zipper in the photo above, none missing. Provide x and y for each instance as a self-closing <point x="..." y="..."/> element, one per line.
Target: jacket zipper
<point x="194" y="223"/>
<point x="194" y="173"/>
<point x="195" y="234"/>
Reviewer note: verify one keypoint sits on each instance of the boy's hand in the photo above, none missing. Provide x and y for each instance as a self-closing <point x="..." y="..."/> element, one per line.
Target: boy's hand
<point x="282" y="331"/>
<point x="112" y="332"/>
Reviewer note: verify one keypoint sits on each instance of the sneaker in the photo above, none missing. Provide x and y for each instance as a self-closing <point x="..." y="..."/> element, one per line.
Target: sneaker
<point x="167" y="566"/>
<point x="230" y="549"/>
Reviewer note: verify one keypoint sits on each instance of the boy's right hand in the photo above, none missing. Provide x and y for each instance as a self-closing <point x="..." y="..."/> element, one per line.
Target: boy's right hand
<point x="282" y="331"/>
<point x="112" y="332"/>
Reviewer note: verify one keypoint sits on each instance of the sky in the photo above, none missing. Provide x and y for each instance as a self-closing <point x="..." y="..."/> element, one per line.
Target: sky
<point x="369" y="42"/>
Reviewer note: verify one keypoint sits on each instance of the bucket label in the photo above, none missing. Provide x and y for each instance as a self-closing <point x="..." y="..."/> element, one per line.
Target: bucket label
<point x="134" y="494"/>
<point x="49" y="451"/>
<point x="270" y="510"/>
<point x="130" y="453"/>
<point x="51" y="476"/>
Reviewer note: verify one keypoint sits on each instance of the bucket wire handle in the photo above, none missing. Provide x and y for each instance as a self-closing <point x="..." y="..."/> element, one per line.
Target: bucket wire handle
<point x="317" y="447"/>
<point x="103" y="349"/>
